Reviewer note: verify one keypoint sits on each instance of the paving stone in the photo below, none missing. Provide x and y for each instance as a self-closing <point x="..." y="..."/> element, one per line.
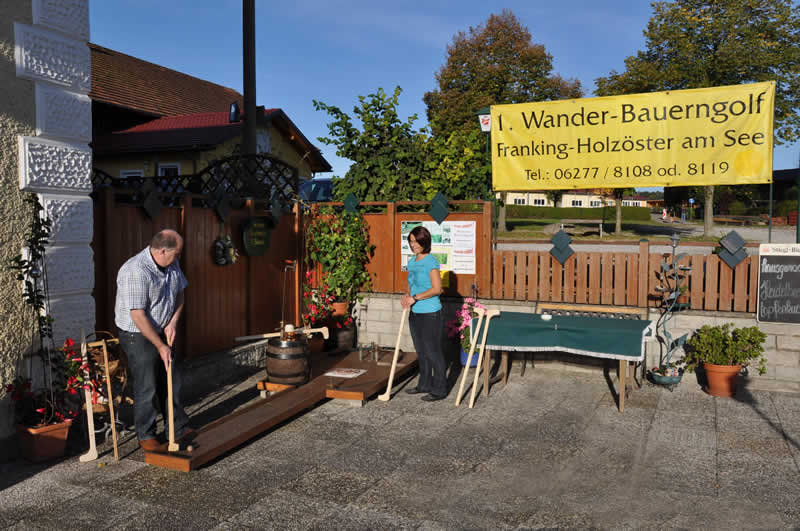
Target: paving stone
<point x="282" y="510"/>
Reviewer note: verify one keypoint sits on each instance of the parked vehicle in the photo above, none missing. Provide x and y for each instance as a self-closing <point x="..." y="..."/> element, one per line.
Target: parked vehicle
<point x="317" y="190"/>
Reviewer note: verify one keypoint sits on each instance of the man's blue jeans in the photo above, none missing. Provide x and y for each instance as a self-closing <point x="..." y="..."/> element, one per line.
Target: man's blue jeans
<point x="150" y="386"/>
<point x="426" y="333"/>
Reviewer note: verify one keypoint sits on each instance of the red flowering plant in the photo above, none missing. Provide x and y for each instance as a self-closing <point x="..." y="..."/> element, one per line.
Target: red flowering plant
<point x="317" y="302"/>
<point x="461" y="327"/>
<point x="342" y="321"/>
<point x="62" y="401"/>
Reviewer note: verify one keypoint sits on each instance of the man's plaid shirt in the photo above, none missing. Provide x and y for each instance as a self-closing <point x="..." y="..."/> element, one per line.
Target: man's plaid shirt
<point x="141" y="285"/>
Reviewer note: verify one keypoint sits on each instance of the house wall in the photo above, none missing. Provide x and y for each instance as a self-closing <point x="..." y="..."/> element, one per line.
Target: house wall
<point x="270" y="141"/>
<point x="45" y="128"/>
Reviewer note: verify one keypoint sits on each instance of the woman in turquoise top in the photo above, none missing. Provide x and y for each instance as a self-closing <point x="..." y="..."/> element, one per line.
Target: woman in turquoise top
<point x="425" y="318"/>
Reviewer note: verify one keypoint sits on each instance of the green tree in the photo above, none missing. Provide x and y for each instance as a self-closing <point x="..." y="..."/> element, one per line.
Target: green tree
<point x="493" y="63"/>
<point x="389" y="156"/>
<point x="707" y="43"/>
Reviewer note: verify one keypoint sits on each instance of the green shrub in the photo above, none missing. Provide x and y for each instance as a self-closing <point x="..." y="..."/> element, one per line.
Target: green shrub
<point x="725" y="345"/>
<point x="737" y="208"/>
<point x="783" y="208"/>
<point x="607" y="214"/>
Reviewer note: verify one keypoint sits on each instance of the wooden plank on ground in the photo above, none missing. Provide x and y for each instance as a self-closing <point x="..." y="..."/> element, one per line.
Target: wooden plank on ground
<point x="712" y="288"/>
<point x="569" y="279"/>
<point x="632" y="269"/>
<point x="497" y="275"/>
<point x="725" y="287"/>
<point x="557" y="281"/>
<point x="594" y="277"/>
<point x="607" y="278"/>
<point x="231" y="431"/>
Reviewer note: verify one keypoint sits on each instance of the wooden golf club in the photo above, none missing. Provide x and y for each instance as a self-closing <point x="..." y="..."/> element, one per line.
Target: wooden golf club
<point x="173" y="446"/>
<point x="474" y="340"/>
<point x="323" y="330"/>
<point x="489" y="315"/>
<point x="385" y="396"/>
<point x="91" y="455"/>
<point x="111" y="403"/>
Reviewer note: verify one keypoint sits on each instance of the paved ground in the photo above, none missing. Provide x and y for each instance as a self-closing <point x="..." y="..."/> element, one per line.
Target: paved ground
<point x="548" y="450"/>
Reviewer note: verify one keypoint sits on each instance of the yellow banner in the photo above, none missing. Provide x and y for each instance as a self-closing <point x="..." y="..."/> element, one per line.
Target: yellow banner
<point x="719" y="135"/>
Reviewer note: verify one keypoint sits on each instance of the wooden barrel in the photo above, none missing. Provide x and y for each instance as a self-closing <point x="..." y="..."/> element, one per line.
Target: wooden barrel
<point x="288" y="361"/>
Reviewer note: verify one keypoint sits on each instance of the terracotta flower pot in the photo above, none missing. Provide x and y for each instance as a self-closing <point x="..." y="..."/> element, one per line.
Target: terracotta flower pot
<point x="44" y="442"/>
<point x="340" y="308"/>
<point x="722" y="379"/>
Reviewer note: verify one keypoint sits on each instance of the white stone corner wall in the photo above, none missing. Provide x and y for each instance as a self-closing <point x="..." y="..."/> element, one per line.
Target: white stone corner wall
<point x="53" y="52"/>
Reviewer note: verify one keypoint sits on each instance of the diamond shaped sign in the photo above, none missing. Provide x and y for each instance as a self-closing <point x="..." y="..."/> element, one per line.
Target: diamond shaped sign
<point x="562" y="254"/>
<point x="438" y="212"/>
<point x="439" y="199"/>
<point x="732" y="259"/>
<point x="561" y="239"/>
<point x="732" y="242"/>
<point x="351" y="202"/>
<point x="561" y="250"/>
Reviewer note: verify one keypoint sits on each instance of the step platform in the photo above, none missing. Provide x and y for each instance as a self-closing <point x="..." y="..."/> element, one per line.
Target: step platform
<point x="284" y="402"/>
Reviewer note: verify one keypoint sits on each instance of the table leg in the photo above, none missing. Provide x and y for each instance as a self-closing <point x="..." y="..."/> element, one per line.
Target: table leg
<point x="505" y="367"/>
<point x="623" y="365"/>
<point x="631" y="376"/>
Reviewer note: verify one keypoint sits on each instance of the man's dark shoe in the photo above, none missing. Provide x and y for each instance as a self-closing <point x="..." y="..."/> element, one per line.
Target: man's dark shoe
<point x="149" y="445"/>
<point x="415" y="391"/>
<point x="433" y="398"/>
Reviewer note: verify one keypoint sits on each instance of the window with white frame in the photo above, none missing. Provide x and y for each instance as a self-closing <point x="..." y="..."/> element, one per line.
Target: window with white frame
<point x="125" y="174"/>
<point x="519" y="201"/>
<point x="577" y="202"/>
<point x="169" y="169"/>
<point x="595" y="204"/>
<point x="539" y="202"/>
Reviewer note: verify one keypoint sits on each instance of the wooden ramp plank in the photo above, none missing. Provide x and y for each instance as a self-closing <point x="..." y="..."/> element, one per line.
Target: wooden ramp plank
<point x="374" y="380"/>
<point x="230" y="431"/>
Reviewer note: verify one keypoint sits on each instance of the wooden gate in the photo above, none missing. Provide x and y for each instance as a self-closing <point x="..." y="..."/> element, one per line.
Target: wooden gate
<point x="222" y="302"/>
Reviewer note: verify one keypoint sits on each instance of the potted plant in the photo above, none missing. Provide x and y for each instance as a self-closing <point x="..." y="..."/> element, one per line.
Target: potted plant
<point x="461" y="328"/>
<point x="317" y="303"/>
<point x="338" y="242"/>
<point x="44" y="415"/>
<point x="723" y="351"/>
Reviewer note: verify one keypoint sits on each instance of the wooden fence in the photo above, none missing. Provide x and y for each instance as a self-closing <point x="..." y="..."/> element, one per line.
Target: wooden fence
<point x="222" y="302"/>
<point x="385" y="266"/>
<point x="621" y="279"/>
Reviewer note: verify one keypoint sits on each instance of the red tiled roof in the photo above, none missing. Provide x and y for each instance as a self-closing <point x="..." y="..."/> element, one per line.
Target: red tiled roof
<point x="132" y="83"/>
<point x="198" y="131"/>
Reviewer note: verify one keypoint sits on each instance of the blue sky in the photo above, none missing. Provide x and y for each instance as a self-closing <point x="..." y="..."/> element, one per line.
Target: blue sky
<point x="335" y="50"/>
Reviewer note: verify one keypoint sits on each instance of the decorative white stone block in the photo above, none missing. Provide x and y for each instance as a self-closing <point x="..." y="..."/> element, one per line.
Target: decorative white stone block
<point x="70" y="269"/>
<point x="62" y="113"/>
<point x="71" y="218"/>
<point x="67" y="16"/>
<point x="72" y="314"/>
<point x="49" y="165"/>
<point x="48" y="56"/>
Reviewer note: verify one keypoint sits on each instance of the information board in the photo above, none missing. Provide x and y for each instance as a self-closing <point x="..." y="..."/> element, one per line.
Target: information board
<point x="779" y="283"/>
<point x="452" y="243"/>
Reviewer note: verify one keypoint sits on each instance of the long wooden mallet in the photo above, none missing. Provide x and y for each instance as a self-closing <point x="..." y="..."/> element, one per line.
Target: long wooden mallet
<point x="385" y="396"/>
<point x="489" y="315"/>
<point x="308" y="331"/>
<point x="481" y="312"/>
<point x="173" y="446"/>
<point x="111" y="403"/>
<point x="91" y="455"/>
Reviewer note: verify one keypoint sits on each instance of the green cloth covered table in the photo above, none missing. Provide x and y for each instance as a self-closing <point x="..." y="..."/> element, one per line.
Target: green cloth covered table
<point x="620" y="339"/>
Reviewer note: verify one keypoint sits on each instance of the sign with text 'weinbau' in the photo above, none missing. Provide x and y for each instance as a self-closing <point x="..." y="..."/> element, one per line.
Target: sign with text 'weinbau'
<point x="719" y="135"/>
